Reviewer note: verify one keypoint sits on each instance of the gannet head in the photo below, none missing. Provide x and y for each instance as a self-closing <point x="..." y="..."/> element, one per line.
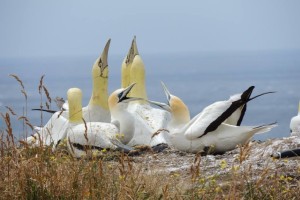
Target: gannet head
<point x="120" y="96"/>
<point x="100" y="79"/>
<point x="133" y="51"/>
<point x="75" y="105"/>
<point x="179" y="111"/>
<point x="126" y="64"/>
<point x="101" y="63"/>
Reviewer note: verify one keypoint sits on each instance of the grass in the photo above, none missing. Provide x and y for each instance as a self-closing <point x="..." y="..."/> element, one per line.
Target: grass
<point x="39" y="173"/>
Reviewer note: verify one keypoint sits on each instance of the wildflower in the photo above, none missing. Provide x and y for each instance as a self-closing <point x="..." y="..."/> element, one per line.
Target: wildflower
<point x="282" y="178"/>
<point x="202" y="180"/>
<point x="52" y="158"/>
<point x="223" y="164"/>
<point x="236" y="168"/>
<point x="218" y="189"/>
<point x="120" y="135"/>
<point x="104" y="150"/>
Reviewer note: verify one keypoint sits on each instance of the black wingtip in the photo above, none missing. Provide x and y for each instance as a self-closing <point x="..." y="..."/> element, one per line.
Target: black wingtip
<point x="246" y="94"/>
<point x="260" y="95"/>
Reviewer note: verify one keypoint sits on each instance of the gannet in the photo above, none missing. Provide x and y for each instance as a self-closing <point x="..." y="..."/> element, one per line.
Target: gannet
<point x="295" y="124"/>
<point x="97" y="135"/>
<point x="51" y="133"/>
<point x="96" y="111"/>
<point x="189" y="135"/>
<point x="147" y="119"/>
<point x="286" y="154"/>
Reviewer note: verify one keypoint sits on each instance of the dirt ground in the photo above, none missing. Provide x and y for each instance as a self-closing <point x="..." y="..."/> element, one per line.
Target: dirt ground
<point x="255" y="157"/>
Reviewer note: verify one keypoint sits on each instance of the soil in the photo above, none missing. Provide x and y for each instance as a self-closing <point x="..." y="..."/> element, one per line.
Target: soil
<point x="255" y="157"/>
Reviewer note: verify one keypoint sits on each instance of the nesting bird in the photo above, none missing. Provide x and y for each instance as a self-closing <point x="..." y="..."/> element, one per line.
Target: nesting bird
<point x="147" y="119"/>
<point x="95" y="136"/>
<point x="208" y="129"/>
<point x="96" y="110"/>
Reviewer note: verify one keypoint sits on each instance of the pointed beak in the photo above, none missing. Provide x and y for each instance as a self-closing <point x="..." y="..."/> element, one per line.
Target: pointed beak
<point x="163" y="106"/>
<point x="167" y="93"/>
<point x="103" y="58"/>
<point x="133" y="51"/>
<point x="134" y="46"/>
<point x="123" y="95"/>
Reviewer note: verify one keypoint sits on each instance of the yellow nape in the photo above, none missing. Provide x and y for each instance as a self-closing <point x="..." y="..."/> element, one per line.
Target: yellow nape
<point x="137" y="75"/>
<point x="100" y="84"/>
<point x="75" y="105"/>
<point x="180" y="111"/>
<point x="100" y="79"/>
<point x="299" y="108"/>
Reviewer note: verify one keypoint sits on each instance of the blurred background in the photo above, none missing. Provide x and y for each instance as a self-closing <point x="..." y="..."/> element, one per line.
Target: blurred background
<point x="204" y="51"/>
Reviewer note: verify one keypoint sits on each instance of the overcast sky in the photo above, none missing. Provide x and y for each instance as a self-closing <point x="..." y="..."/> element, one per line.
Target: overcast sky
<point x="67" y="27"/>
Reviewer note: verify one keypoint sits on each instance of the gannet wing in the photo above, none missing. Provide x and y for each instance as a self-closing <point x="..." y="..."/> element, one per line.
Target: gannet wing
<point x="215" y="114"/>
<point x="210" y="118"/>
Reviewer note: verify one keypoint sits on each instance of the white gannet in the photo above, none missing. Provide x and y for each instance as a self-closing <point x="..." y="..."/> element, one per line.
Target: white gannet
<point x="51" y="133"/>
<point x="223" y="138"/>
<point x="97" y="135"/>
<point x="148" y="119"/>
<point x="295" y="124"/>
<point x="96" y="111"/>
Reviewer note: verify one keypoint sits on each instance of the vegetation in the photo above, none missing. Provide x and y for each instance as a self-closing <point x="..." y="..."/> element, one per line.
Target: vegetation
<point x="39" y="173"/>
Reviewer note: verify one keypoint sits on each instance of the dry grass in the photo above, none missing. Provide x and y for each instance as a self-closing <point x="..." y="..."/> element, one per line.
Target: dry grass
<point x="38" y="173"/>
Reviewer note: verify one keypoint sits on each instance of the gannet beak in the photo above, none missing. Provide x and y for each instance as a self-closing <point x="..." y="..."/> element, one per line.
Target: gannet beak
<point x="134" y="46"/>
<point x="103" y="58"/>
<point x="168" y="94"/>
<point x="123" y="95"/>
<point x="161" y="105"/>
<point x="133" y="51"/>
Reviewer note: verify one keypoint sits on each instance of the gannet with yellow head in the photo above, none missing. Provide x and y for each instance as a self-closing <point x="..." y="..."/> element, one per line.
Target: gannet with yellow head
<point x="223" y="138"/>
<point x="148" y="119"/>
<point x="96" y="111"/>
<point x="83" y="136"/>
<point x="295" y="124"/>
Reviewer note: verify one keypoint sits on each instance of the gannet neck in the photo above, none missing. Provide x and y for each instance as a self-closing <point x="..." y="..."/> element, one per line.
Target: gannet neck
<point x="125" y="73"/>
<point x="117" y="102"/>
<point x="100" y="84"/>
<point x="126" y="121"/>
<point x="75" y="105"/>
<point x="179" y="111"/>
<point x="100" y="80"/>
<point x="137" y="75"/>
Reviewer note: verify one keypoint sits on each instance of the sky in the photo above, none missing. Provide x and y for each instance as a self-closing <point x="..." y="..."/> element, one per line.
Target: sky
<point x="35" y="28"/>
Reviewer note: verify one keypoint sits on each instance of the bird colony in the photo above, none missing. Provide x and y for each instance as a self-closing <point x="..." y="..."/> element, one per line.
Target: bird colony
<point x="126" y="118"/>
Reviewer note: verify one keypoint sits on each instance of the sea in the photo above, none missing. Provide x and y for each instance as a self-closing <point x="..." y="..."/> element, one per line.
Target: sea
<point x="199" y="79"/>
